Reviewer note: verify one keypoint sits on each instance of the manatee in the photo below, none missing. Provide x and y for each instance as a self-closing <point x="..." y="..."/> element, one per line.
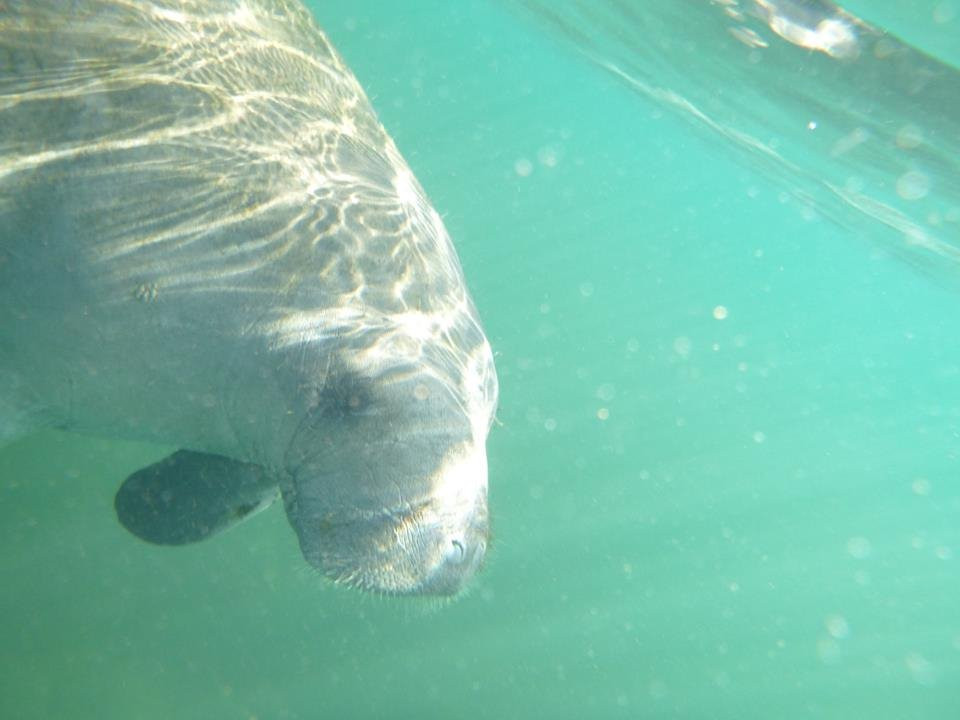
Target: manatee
<point x="208" y="241"/>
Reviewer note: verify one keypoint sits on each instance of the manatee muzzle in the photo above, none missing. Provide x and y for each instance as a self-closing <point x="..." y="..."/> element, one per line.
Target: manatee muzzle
<point x="431" y="546"/>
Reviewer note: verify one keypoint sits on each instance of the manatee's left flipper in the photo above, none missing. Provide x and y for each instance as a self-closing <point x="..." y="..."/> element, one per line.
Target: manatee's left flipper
<point x="190" y="496"/>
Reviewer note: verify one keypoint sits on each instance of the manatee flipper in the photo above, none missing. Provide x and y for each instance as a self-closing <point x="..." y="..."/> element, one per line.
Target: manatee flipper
<point x="190" y="496"/>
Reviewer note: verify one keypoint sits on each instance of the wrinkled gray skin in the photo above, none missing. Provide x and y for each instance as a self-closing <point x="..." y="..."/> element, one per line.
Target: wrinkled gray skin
<point x="207" y="240"/>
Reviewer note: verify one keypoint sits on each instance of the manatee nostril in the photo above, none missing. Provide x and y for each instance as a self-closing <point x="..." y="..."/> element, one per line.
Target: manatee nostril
<point x="462" y="556"/>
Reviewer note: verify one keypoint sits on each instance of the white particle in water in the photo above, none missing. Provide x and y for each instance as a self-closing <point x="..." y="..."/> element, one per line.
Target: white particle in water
<point x="547" y="157"/>
<point x="909" y="137"/>
<point x="913" y="185"/>
<point x="859" y="547"/>
<point x="603" y="413"/>
<point x="921" y="486"/>
<point x="853" y="184"/>
<point x="720" y="312"/>
<point x="837" y="626"/>
<point x="523" y="167"/>
<point x="682" y="346"/>
<point x="943" y="13"/>
<point x="421" y="391"/>
<point x="759" y="437"/>
<point x="606" y="392"/>
<point x="828" y="650"/>
<point x="848" y="142"/>
<point x="920" y="668"/>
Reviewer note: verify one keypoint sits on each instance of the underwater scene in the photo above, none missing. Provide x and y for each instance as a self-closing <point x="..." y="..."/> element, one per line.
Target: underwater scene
<point x="714" y="246"/>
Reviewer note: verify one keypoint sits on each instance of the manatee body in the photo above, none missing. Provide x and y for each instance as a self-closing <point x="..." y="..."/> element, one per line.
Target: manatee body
<point x="207" y="240"/>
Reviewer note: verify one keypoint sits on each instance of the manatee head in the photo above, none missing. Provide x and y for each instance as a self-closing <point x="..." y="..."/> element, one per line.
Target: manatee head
<point x="385" y="475"/>
<point x="387" y="472"/>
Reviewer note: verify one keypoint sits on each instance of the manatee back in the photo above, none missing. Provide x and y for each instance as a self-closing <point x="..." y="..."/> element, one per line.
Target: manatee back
<point x="178" y="173"/>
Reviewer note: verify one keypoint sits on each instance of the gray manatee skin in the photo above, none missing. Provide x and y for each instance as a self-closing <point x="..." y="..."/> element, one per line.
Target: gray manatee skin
<point x="207" y="240"/>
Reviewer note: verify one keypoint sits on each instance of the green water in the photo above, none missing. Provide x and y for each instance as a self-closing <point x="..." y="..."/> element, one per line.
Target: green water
<point x="749" y="517"/>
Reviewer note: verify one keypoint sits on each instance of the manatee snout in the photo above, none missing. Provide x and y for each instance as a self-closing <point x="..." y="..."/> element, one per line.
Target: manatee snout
<point x="460" y="555"/>
<point x="387" y="486"/>
<point x="410" y="551"/>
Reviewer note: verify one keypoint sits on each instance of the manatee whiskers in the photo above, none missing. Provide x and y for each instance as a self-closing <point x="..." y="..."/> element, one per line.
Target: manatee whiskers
<point x="401" y="539"/>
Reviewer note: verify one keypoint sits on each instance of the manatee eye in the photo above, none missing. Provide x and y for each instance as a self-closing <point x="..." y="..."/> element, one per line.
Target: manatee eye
<point x="458" y="551"/>
<point x="345" y="396"/>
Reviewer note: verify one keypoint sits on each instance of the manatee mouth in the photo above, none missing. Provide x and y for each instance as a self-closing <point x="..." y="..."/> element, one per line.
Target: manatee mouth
<point x="409" y="551"/>
<point x="386" y="486"/>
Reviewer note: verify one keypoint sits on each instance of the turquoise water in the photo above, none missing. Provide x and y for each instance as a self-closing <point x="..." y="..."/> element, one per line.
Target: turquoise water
<point x="746" y="512"/>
